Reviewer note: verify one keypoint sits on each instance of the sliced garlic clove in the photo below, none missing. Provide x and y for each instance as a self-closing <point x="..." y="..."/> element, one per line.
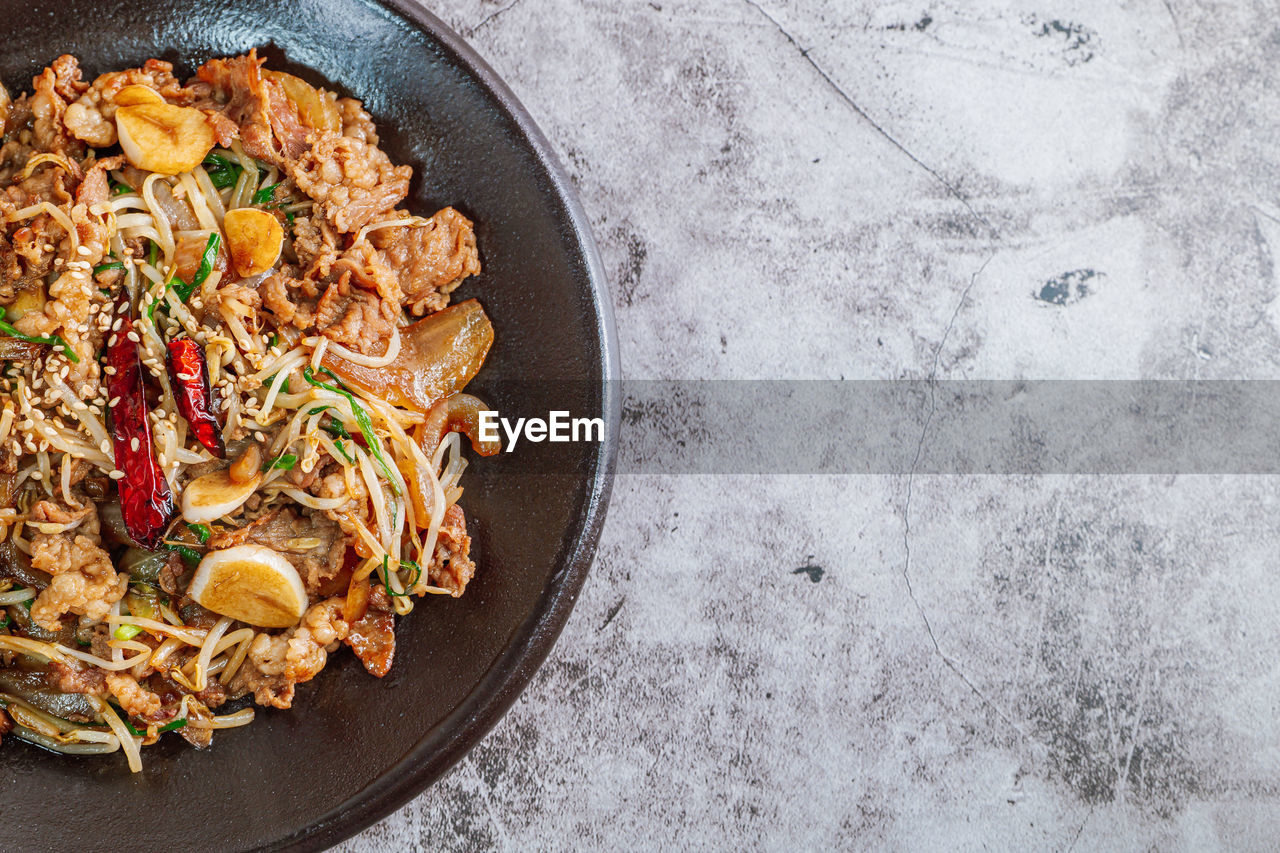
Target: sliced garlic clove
<point x="254" y="238"/>
<point x="135" y="94"/>
<point x="164" y="138"/>
<point x="214" y="495"/>
<point x="252" y="583"/>
<point x="317" y="109"/>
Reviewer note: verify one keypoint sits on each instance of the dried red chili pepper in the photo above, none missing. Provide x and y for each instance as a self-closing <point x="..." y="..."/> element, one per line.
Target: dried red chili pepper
<point x="145" y="498"/>
<point x="189" y="374"/>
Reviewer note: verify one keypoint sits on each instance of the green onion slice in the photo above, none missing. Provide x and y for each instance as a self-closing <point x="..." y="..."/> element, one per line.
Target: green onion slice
<point x="362" y="419"/>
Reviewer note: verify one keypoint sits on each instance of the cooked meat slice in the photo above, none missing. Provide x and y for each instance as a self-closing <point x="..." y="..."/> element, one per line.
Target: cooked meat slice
<point x="136" y="700"/>
<point x="95" y="188"/>
<point x="54" y="87"/>
<point x="66" y="77"/>
<point x="356" y="123"/>
<point x="430" y="261"/>
<point x="174" y="575"/>
<point x="315" y="246"/>
<point x="28" y="252"/>
<point x="364" y="265"/>
<point x="267" y="121"/>
<point x="171" y="693"/>
<point x="74" y="678"/>
<point x="70" y="295"/>
<point x="84" y="580"/>
<point x="91" y="118"/>
<point x="47" y="512"/>
<point x="356" y="318"/>
<point x="276" y="663"/>
<point x="100" y="640"/>
<point x="451" y="567"/>
<point x="291" y="301"/>
<point x="373" y="636"/>
<point x="214" y="694"/>
<point x="351" y="181"/>
<point x="199" y="729"/>
<point x="312" y="542"/>
<point x="355" y="510"/>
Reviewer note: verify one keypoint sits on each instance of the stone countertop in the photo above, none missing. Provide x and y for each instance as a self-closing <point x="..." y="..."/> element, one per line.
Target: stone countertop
<point x="854" y="189"/>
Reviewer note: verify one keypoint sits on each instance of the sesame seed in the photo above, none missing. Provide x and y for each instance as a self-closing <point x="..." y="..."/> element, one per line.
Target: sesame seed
<point x="133" y="444"/>
<point x="116" y="475"/>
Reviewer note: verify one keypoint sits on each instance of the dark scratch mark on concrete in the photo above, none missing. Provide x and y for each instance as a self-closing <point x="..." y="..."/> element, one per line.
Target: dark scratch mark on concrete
<point x="633" y="267"/>
<point x="1080" y="831"/>
<point x="613" y="611"/>
<point x="906" y="516"/>
<point x="853" y="105"/>
<point x="1177" y="27"/>
<point x="491" y="17"/>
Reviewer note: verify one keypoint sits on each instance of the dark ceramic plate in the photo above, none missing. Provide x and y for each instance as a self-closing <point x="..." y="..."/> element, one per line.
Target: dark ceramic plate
<point x="354" y="747"/>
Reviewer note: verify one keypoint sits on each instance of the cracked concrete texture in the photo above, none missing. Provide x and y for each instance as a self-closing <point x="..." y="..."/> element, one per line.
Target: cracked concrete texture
<point x="885" y="190"/>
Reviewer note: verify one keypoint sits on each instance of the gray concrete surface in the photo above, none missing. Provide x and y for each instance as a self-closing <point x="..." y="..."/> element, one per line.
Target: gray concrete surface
<point x="885" y="190"/>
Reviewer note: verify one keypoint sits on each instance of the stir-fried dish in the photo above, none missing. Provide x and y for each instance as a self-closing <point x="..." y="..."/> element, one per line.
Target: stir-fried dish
<point x="233" y="392"/>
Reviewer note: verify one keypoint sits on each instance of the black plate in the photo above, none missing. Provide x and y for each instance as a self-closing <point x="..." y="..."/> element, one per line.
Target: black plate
<point x="354" y="747"/>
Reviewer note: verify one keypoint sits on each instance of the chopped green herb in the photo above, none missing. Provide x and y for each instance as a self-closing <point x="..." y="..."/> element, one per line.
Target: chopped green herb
<point x="222" y="172"/>
<point x="154" y="254"/>
<point x="335" y="428"/>
<point x="201" y="531"/>
<point x="27" y="604"/>
<point x="283" y="462"/>
<point x="113" y="265"/>
<point x="185" y="290"/>
<point x="189" y="555"/>
<point x="290" y="216"/>
<point x="167" y="727"/>
<point x="342" y="448"/>
<point x="7" y="620"/>
<point x="265" y="194"/>
<point x="275" y="339"/>
<point x="404" y="564"/>
<point x="126" y="632"/>
<point x="53" y="340"/>
<point x="362" y="419"/>
<point x="118" y="188"/>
